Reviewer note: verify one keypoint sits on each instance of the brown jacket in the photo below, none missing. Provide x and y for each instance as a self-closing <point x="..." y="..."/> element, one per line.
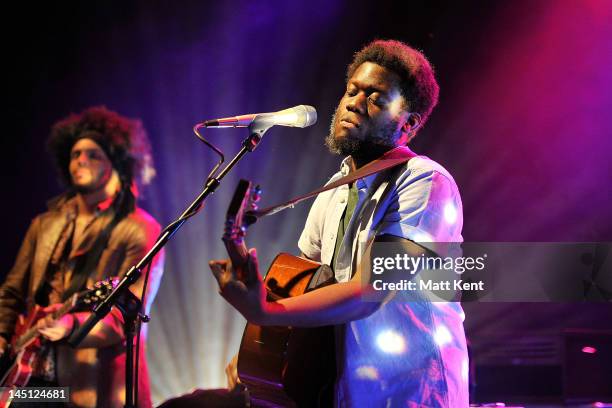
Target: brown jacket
<point x="95" y="375"/>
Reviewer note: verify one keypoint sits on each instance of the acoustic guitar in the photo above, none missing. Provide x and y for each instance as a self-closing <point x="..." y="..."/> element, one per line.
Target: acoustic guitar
<point x="17" y="362"/>
<point x="281" y="366"/>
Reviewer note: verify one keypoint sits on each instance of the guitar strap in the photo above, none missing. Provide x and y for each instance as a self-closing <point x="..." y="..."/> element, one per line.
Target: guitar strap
<point x="91" y="259"/>
<point x="390" y="159"/>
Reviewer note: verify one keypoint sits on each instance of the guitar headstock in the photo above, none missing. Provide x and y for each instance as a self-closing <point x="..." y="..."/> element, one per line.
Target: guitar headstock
<point x="88" y="297"/>
<point x="237" y="220"/>
<point x="101" y="290"/>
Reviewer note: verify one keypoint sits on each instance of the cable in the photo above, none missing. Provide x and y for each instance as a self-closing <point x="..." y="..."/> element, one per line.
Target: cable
<point x="212" y="174"/>
<point x="196" y="129"/>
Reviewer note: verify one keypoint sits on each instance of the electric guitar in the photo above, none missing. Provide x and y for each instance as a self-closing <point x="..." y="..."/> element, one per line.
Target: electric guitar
<point x="17" y="362"/>
<point x="281" y="366"/>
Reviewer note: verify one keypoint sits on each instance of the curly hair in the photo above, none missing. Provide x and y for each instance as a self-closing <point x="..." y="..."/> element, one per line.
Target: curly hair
<point x="124" y="141"/>
<point x="418" y="84"/>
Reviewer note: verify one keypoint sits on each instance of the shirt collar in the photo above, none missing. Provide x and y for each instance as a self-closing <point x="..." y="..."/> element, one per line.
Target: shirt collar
<point x="365" y="182"/>
<point x="70" y="205"/>
<point x="105" y="204"/>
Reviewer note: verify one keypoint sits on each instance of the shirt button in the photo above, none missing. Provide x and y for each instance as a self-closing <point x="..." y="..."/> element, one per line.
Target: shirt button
<point x="342" y="201"/>
<point x="332" y="236"/>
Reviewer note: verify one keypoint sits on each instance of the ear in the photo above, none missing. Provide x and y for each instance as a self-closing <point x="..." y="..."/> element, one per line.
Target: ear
<point x="413" y="122"/>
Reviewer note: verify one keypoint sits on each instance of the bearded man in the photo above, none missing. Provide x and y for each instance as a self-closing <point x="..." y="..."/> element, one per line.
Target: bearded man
<point x="394" y="351"/>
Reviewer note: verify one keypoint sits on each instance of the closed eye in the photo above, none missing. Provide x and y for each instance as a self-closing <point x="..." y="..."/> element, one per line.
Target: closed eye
<point x="91" y="154"/>
<point x="377" y="99"/>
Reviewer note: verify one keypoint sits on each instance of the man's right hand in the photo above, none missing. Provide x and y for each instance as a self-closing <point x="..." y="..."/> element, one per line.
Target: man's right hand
<point x="231" y="372"/>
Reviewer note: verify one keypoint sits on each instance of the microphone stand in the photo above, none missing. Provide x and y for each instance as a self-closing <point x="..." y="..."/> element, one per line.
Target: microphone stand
<point x="128" y="304"/>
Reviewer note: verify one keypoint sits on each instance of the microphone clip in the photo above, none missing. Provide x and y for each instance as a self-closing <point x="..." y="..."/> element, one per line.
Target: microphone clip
<point x="255" y="136"/>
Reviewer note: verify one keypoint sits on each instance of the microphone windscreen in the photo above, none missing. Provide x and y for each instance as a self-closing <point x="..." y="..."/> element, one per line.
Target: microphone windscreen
<point x="308" y="115"/>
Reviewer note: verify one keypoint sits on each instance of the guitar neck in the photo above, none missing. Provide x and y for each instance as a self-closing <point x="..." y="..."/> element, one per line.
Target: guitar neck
<point x="237" y="251"/>
<point x="32" y="332"/>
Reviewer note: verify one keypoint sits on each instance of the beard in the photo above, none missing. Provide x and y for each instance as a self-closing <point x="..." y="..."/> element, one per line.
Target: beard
<point x="344" y="146"/>
<point x="380" y="139"/>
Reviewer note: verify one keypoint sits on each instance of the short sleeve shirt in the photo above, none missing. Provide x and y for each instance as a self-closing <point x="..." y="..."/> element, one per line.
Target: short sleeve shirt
<point x="407" y="353"/>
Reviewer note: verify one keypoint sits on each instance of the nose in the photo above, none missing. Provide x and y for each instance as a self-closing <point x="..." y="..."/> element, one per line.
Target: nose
<point x="357" y="103"/>
<point x="81" y="157"/>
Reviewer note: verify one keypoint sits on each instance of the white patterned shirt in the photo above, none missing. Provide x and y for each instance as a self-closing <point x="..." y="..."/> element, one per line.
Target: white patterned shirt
<point x="407" y="353"/>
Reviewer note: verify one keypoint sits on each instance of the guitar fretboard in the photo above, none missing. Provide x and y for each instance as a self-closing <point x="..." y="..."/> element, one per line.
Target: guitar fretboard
<point x="32" y="333"/>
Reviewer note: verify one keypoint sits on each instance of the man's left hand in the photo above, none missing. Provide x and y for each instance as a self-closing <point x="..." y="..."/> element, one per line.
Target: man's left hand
<point x="55" y="330"/>
<point x="248" y="298"/>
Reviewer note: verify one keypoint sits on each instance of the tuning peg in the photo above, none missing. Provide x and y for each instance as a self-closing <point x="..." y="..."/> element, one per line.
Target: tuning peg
<point x="256" y="193"/>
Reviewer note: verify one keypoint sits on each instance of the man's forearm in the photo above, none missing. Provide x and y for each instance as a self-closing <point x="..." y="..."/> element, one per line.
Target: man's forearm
<point x="335" y="304"/>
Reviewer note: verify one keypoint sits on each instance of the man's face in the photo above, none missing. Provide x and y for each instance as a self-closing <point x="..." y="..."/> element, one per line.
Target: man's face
<point x="90" y="167"/>
<point x="371" y="112"/>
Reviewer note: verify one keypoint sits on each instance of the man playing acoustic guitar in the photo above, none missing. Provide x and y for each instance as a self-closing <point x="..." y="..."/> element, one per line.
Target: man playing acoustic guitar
<point x="393" y="351"/>
<point x="91" y="232"/>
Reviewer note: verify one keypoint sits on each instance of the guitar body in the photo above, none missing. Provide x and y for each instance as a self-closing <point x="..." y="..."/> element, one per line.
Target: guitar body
<point x="17" y="369"/>
<point x="284" y="366"/>
<point x="280" y="366"/>
<point x="16" y="365"/>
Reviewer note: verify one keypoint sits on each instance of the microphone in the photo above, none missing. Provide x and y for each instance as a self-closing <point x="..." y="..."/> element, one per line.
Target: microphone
<point x="298" y="116"/>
